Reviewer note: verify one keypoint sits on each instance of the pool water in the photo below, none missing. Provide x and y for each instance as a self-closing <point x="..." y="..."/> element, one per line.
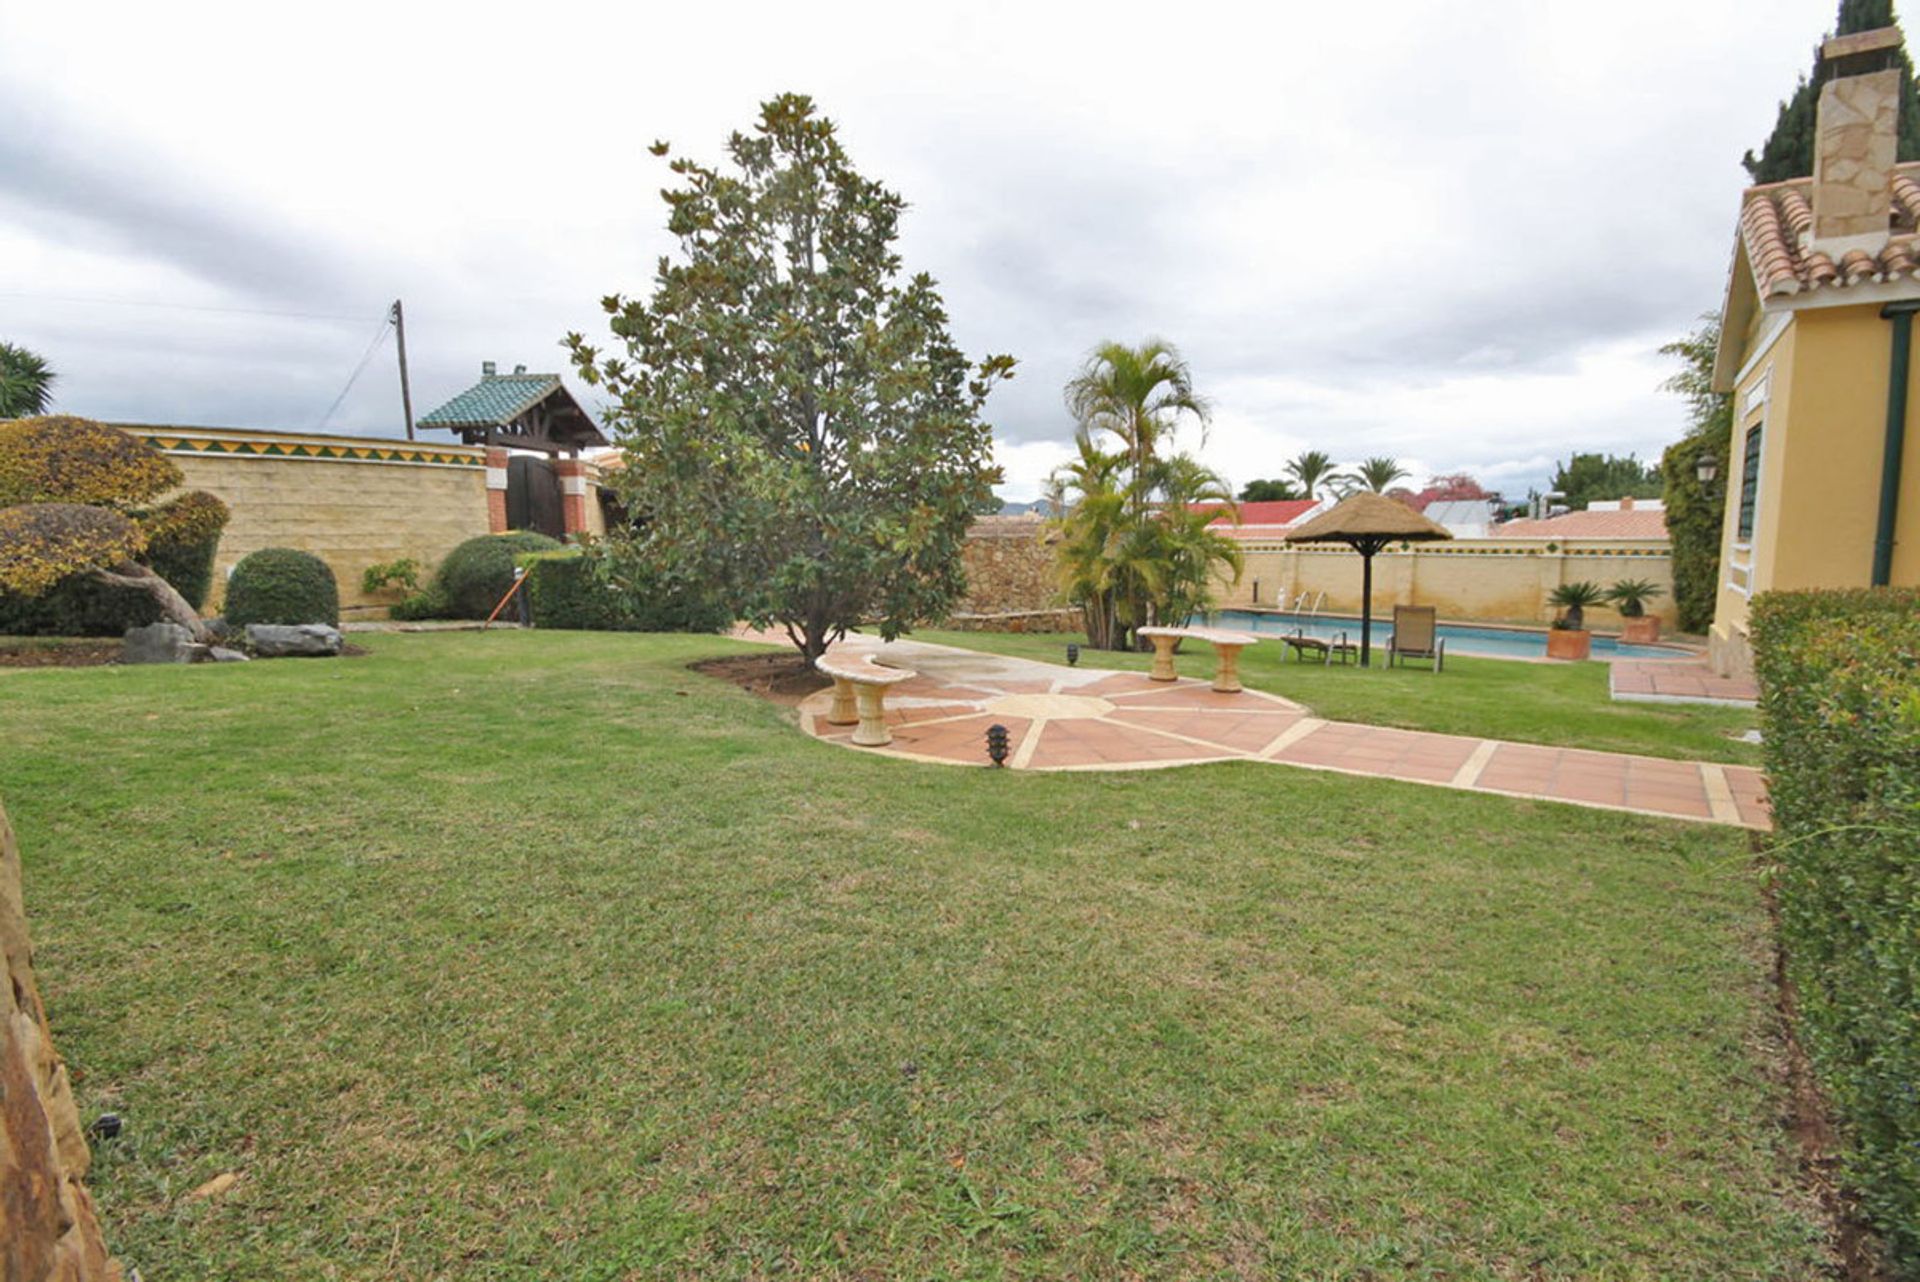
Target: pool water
<point x="1498" y="643"/>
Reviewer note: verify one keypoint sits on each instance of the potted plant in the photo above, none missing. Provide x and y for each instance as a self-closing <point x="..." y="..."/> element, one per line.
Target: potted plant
<point x="1630" y="597"/>
<point x="1569" y="638"/>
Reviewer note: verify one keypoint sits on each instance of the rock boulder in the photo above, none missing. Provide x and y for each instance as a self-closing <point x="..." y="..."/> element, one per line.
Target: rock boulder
<point x="290" y="641"/>
<point x="160" y="643"/>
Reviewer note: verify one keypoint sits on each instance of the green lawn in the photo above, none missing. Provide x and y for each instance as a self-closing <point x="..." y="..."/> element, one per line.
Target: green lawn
<point x="1555" y="703"/>
<point x="536" y="955"/>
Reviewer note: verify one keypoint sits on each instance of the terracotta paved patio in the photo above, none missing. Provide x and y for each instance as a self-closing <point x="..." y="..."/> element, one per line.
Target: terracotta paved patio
<point x="1060" y="718"/>
<point x="1677" y="681"/>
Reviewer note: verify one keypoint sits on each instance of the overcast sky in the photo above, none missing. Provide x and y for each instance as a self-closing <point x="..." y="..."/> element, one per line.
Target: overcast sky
<point x="1452" y="233"/>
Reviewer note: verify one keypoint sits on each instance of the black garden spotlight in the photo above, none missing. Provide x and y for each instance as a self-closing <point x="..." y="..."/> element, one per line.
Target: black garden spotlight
<point x="1073" y="654"/>
<point x="997" y="743"/>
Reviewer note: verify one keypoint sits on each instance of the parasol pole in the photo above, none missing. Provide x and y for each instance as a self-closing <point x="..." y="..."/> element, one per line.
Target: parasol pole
<point x="1365" y="549"/>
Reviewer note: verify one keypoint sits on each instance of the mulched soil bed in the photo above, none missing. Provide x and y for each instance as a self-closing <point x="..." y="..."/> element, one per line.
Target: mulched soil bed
<point x="82" y="652"/>
<point x="58" y="652"/>
<point x="781" y="676"/>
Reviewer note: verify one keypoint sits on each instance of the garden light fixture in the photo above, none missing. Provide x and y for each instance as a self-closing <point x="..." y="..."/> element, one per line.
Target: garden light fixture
<point x="1073" y="654"/>
<point x="997" y="743"/>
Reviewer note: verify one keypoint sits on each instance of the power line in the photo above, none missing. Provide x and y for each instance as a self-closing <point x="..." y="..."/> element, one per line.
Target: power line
<point x="179" y="307"/>
<point x="378" y="334"/>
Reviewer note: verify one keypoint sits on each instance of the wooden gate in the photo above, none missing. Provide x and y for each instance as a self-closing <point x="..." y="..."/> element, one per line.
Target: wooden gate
<point x="533" y="496"/>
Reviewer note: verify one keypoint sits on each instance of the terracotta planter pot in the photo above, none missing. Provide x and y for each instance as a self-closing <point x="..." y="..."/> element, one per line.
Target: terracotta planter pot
<point x="1644" y="630"/>
<point x="1565" y="643"/>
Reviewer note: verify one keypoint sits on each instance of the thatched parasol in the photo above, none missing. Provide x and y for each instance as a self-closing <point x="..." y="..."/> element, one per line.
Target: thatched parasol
<point x="1367" y="522"/>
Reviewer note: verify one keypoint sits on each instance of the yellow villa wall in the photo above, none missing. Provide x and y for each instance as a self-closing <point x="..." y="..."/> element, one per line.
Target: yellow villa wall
<point x="1821" y="450"/>
<point x="1504" y="580"/>
<point x="351" y="501"/>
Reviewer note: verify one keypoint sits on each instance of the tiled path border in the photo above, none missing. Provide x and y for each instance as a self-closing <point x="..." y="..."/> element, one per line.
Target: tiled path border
<point x="1080" y="719"/>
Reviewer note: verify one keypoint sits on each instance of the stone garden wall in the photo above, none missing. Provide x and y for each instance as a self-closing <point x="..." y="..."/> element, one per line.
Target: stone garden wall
<point x="352" y="501"/>
<point x="1010" y="572"/>
<point x="48" y="1229"/>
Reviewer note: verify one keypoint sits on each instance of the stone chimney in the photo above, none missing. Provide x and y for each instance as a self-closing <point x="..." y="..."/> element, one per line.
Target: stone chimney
<point x="1626" y="504"/>
<point x="1853" y="143"/>
<point x="487" y="369"/>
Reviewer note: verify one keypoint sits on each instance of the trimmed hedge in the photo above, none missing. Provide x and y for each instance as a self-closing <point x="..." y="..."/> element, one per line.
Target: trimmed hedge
<point x="282" y="585"/>
<point x="1840" y="703"/>
<point x="574" y="590"/>
<point x="475" y="575"/>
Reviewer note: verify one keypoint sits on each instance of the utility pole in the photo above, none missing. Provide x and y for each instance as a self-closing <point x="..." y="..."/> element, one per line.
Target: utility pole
<point x="399" y="319"/>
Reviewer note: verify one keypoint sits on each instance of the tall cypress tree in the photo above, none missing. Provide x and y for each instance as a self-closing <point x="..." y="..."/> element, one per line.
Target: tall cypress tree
<point x="1788" y="151"/>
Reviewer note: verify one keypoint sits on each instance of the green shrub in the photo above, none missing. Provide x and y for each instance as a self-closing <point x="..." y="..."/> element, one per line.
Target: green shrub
<point x="1840" y="705"/>
<point x="403" y="575"/>
<point x="478" y="573"/>
<point x="575" y="590"/>
<point x="1694" y="515"/>
<point x="430" y="604"/>
<point x="282" y="585"/>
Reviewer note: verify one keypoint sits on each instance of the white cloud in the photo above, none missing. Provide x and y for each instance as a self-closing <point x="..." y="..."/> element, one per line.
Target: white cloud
<point x="1450" y="233"/>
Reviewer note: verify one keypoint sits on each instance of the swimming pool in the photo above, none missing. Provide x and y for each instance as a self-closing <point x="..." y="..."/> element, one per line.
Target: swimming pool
<point x="1497" y="643"/>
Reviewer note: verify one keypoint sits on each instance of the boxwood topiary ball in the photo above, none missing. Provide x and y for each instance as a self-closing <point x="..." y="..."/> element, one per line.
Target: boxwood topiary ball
<point x="478" y="573"/>
<point x="282" y="585"/>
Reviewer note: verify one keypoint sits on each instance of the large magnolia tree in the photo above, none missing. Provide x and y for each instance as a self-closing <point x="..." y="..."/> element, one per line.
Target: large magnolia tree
<point x="803" y="438"/>
<point x="78" y="498"/>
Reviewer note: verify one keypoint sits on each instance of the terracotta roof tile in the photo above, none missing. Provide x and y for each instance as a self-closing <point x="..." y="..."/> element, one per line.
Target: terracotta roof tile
<point x="1775" y="221"/>
<point x="1634" y="523"/>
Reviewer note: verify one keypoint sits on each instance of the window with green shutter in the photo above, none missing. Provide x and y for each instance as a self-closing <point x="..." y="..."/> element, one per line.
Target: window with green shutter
<point x="1749" y="483"/>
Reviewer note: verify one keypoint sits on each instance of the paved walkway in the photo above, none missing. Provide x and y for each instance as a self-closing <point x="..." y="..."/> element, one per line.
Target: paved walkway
<point x="1061" y="718"/>
<point x="1678" y="681"/>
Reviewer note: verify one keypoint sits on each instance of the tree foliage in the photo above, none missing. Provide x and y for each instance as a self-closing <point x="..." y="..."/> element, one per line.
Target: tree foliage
<point x="43" y="543"/>
<point x="26" y="382"/>
<point x="1587" y="478"/>
<point x="1788" y="150"/>
<point x="1311" y="469"/>
<point x="71" y="498"/>
<point x="1696" y="512"/>
<point x="802" y="436"/>
<point x="1137" y="545"/>
<point x="1268" y="491"/>
<point x="1379" y="472"/>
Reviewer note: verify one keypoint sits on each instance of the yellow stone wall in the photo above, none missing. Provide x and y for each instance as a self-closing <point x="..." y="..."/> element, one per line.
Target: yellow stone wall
<point x="352" y="502"/>
<point x="1824" y="410"/>
<point x="1497" y="580"/>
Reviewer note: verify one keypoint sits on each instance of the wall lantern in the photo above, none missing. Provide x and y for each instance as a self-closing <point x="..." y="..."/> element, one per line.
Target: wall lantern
<point x="997" y="744"/>
<point x="1706" y="467"/>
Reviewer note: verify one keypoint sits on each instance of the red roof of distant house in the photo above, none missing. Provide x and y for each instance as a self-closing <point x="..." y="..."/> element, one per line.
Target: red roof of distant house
<point x="1634" y="523"/>
<point x="1274" y="512"/>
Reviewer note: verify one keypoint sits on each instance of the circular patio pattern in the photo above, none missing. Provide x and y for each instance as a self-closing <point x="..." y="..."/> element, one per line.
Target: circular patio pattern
<point x="1050" y="707"/>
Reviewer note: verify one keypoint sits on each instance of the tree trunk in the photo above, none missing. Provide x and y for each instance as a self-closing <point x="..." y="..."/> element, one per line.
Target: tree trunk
<point x="173" y="606"/>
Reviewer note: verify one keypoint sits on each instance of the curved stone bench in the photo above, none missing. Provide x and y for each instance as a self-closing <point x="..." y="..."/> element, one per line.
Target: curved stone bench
<point x="860" y="695"/>
<point x="1226" y="645"/>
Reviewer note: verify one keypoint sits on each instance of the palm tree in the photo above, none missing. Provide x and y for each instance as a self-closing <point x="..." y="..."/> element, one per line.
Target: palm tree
<point x="1379" y="472"/>
<point x="1189" y="548"/>
<point x="26" y="383"/>
<point x="1310" y="469"/>
<point x="1139" y="394"/>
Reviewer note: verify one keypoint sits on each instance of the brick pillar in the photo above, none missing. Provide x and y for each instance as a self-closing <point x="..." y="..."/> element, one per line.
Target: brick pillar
<point x="573" y="493"/>
<point x="496" y="490"/>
